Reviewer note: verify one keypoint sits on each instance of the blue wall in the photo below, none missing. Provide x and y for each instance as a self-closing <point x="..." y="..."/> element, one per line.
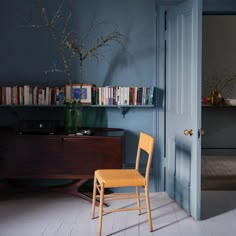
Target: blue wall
<point x="26" y="54"/>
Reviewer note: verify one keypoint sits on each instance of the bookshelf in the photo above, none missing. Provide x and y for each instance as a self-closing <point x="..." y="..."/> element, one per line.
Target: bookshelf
<point x="123" y="98"/>
<point x="124" y="109"/>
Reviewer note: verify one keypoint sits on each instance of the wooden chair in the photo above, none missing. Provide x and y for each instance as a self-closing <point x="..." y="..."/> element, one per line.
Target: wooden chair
<point x="115" y="178"/>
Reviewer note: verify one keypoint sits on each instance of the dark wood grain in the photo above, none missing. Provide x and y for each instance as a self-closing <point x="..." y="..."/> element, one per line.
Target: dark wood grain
<point x="32" y="156"/>
<point x="58" y="156"/>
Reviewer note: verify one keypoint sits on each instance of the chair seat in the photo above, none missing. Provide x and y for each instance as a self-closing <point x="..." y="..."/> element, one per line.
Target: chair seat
<point x="120" y="178"/>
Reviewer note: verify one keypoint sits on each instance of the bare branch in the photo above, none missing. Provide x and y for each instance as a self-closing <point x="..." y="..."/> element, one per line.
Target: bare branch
<point x="68" y="42"/>
<point x="58" y="13"/>
<point x="58" y="42"/>
<point x="112" y="36"/>
<point x="54" y="69"/>
<point x="63" y="33"/>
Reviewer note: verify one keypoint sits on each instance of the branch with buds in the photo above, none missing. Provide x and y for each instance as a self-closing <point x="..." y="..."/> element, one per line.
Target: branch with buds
<point x="67" y="42"/>
<point x="220" y="83"/>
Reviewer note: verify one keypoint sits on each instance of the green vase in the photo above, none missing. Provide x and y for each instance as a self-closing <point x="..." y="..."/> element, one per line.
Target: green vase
<point x="72" y="118"/>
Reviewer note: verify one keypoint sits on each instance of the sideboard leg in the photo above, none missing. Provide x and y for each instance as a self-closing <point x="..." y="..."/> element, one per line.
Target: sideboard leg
<point x="73" y="189"/>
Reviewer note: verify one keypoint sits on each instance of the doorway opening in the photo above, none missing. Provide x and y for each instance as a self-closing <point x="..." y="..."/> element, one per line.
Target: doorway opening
<point x="218" y="168"/>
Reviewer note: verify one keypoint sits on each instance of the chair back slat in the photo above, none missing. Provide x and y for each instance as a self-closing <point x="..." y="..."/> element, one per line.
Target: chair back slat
<point x="146" y="143"/>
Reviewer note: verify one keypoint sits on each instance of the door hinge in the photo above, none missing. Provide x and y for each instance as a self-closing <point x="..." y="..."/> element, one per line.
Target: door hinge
<point x="201" y="132"/>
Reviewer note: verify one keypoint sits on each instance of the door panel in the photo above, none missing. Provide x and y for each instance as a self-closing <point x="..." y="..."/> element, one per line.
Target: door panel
<point x="183" y="93"/>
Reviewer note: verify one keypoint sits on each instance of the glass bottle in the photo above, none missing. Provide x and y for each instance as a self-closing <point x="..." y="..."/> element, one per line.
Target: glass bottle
<point x="72" y="118"/>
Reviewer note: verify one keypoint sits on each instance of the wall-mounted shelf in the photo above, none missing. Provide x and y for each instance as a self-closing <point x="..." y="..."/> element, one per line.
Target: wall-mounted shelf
<point x="123" y="108"/>
<point x="54" y="97"/>
<point x="220" y="106"/>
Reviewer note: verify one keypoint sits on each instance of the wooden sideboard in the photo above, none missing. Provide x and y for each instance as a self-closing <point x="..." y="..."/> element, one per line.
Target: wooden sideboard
<point x="59" y="156"/>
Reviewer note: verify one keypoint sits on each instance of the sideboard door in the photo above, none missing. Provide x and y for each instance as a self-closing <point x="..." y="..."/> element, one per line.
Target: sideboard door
<point x="83" y="155"/>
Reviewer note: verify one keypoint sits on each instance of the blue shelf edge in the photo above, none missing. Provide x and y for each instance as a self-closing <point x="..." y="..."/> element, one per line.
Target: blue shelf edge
<point x="123" y="108"/>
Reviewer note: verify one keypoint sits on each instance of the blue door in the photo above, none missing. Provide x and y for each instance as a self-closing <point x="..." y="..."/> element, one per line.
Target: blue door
<point x="183" y="104"/>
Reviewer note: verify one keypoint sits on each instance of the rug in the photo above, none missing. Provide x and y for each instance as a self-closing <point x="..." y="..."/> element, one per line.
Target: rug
<point x="218" y="173"/>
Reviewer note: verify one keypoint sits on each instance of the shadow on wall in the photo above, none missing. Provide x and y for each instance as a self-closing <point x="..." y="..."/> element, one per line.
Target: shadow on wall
<point x="92" y="117"/>
<point x="159" y="98"/>
<point x="131" y="143"/>
<point x="182" y="172"/>
<point x="122" y="60"/>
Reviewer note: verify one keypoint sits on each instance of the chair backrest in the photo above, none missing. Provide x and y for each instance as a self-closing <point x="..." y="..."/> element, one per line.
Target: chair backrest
<point x="146" y="143"/>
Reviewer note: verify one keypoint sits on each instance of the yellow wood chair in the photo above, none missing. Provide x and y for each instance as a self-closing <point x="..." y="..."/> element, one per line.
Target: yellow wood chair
<point x="115" y="178"/>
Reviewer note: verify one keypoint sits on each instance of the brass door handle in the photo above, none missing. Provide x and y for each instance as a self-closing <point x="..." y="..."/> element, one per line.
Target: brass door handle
<point x="188" y="132"/>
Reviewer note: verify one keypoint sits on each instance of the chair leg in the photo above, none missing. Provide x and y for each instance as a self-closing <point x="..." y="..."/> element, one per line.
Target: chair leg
<point x="138" y="199"/>
<point x="101" y="209"/>
<point x="148" y="209"/>
<point x="94" y="196"/>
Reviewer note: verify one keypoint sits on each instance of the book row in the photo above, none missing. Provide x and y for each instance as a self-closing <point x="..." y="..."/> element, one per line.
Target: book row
<point x="87" y="94"/>
<point x="123" y="95"/>
<point x="28" y="95"/>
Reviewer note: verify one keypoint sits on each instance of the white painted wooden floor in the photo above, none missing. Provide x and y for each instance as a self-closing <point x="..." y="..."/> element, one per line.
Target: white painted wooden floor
<point x="53" y="214"/>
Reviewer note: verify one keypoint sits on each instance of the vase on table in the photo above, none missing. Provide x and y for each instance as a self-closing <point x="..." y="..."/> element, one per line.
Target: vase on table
<point x="72" y="116"/>
<point x="215" y="98"/>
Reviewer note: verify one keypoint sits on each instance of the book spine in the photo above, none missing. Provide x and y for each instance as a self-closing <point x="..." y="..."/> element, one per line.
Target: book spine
<point x="61" y="96"/>
<point x="26" y="95"/>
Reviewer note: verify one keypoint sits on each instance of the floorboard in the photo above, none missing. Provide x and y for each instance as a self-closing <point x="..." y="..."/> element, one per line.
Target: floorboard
<point x="54" y="214"/>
